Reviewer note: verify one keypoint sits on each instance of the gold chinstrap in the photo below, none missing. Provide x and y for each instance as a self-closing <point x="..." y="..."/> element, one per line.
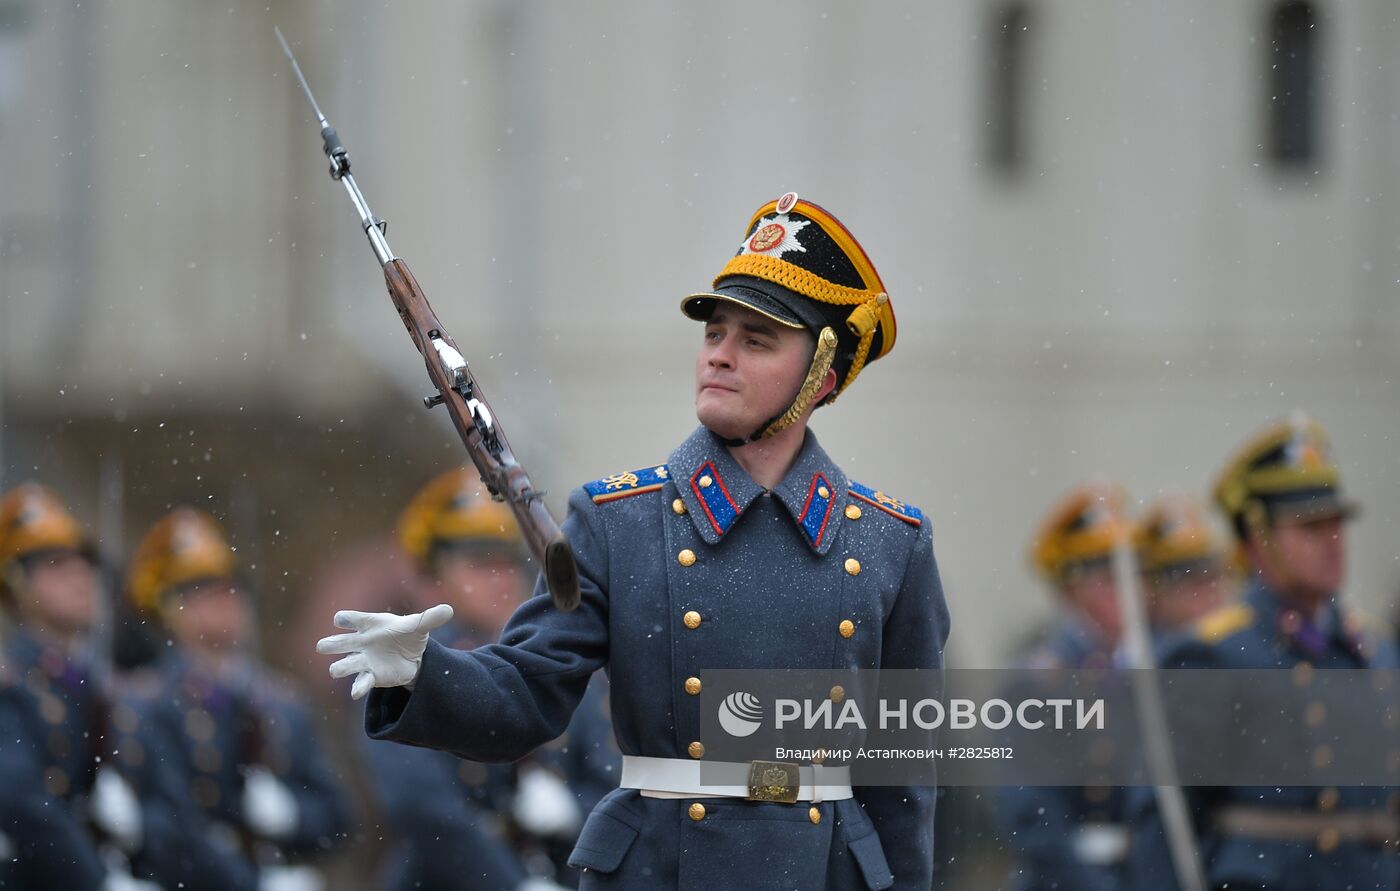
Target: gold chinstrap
<point x="821" y="363"/>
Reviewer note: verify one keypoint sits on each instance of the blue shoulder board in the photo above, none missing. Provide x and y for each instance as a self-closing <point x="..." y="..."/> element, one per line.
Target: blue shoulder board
<point x="621" y="485"/>
<point x="893" y="506"/>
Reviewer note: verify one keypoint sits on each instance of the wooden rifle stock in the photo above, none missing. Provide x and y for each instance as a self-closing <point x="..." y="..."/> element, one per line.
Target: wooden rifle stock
<point x="476" y="425"/>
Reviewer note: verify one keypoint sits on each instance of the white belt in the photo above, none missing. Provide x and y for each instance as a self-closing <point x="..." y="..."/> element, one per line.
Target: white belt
<point x="680" y="778"/>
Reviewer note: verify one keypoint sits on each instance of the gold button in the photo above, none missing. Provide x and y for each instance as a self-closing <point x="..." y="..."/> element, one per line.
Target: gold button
<point x="1302" y="674"/>
<point x="205" y="791"/>
<point x="1102" y="752"/>
<point x="838" y="693"/>
<point x="1315" y="714"/>
<point x="814" y="814"/>
<point x="60" y="745"/>
<point x="1327" y="840"/>
<point x="678" y="506"/>
<point x="692" y="686"/>
<point x="124" y="719"/>
<point x="199" y="725"/>
<point x="208" y="757"/>
<point x="847" y="628"/>
<point x="1290" y="622"/>
<point x="686" y="557"/>
<point x="705" y="481"/>
<point x="852" y="512"/>
<point x="56" y="781"/>
<point x="823" y="491"/>
<point x="52" y="709"/>
<point x="692" y="620"/>
<point x="1322" y="756"/>
<point x="697" y="811"/>
<point x="1328" y="799"/>
<point x="696" y="750"/>
<point x="853" y="566"/>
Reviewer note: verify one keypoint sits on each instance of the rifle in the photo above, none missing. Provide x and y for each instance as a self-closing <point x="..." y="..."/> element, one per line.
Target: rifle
<point x="457" y="389"/>
<point x="1152" y="722"/>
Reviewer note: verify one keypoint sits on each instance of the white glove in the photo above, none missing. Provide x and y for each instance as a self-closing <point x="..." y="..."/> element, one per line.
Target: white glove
<point x="385" y="650"/>
<point x="544" y="805"/>
<point x="269" y="807"/>
<point x="120" y="881"/>
<point x="115" y="808"/>
<point x="1101" y="845"/>
<point x="539" y="883"/>
<point x="290" y="878"/>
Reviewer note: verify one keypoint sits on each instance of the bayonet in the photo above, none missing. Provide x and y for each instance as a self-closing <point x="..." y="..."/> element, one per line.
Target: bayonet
<point x="457" y="389"/>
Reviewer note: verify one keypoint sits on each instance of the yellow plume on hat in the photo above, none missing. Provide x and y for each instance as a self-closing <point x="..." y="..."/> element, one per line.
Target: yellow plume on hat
<point x="186" y="545"/>
<point x="33" y="519"/>
<point x="1084" y="525"/>
<point x="455" y="507"/>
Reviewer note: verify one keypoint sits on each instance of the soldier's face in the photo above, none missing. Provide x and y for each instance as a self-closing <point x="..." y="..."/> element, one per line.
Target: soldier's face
<point x="1177" y="604"/>
<point x="748" y="370"/>
<point x="484" y="592"/>
<point x="1092" y="592"/>
<point x="212" y="616"/>
<point x="60" y="592"/>
<point x="1312" y="557"/>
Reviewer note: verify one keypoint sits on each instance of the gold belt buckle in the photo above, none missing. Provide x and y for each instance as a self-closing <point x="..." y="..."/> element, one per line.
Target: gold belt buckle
<point x="773" y="781"/>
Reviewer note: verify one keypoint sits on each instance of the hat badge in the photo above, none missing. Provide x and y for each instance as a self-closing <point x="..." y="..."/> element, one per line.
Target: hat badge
<point x="786" y="203"/>
<point x="766" y="238"/>
<point x="776" y="236"/>
<point x="185" y="538"/>
<point x="1306" y="454"/>
<point x="1095" y="515"/>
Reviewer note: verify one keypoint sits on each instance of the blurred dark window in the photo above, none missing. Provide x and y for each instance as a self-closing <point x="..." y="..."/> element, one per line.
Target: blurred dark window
<point x="1292" y="56"/>
<point x="1006" y="106"/>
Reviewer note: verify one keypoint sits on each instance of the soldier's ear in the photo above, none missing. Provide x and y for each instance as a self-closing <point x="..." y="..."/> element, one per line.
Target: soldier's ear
<point x="1255" y="519"/>
<point x="12" y="579"/>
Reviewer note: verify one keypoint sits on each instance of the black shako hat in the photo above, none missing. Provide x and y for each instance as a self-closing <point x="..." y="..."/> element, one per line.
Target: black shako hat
<point x="1285" y="475"/>
<point x="799" y="266"/>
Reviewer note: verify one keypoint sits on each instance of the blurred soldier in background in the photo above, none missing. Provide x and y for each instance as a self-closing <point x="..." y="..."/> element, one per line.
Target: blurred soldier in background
<point x="1185" y="569"/>
<point x="68" y="813"/>
<point x="1074" y="837"/>
<point x="1073" y="552"/>
<point x="465" y="825"/>
<point x="1282" y="494"/>
<point x="243" y="744"/>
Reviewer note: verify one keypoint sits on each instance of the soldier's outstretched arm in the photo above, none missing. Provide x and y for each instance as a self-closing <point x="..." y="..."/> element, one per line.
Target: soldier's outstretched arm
<point x="914" y="635"/>
<point x="382" y="649"/>
<point x="502" y="701"/>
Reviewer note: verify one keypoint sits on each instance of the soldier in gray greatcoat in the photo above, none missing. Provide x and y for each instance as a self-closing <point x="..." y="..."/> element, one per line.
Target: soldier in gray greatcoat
<point x="748" y="547"/>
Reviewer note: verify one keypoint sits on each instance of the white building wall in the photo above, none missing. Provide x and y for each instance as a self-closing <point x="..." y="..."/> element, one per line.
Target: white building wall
<point x="1145" y="294"/>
